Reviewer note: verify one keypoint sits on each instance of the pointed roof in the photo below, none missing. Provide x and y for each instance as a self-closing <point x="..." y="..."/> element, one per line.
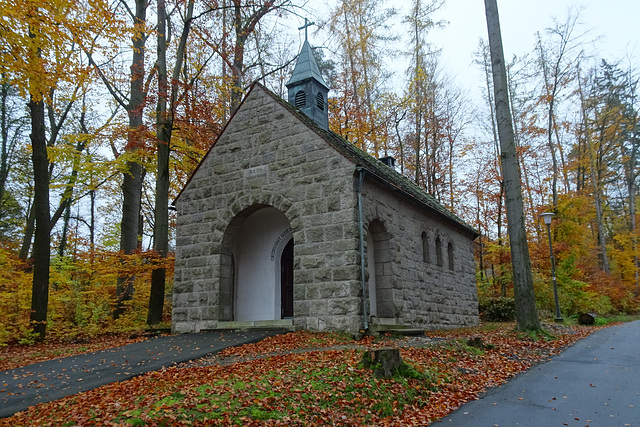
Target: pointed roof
<point x="375" y="168"/>
<point x="306" y="67"/>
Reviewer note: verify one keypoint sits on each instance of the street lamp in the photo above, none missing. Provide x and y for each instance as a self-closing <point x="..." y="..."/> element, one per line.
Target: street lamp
<point x="547" y="216"/>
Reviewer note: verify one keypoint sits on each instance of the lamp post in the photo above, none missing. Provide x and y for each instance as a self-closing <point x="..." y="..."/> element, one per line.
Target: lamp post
<point x="547" y="216"/>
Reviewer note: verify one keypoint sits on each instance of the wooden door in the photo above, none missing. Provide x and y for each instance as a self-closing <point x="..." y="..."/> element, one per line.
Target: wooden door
<point x="286" y="279"/>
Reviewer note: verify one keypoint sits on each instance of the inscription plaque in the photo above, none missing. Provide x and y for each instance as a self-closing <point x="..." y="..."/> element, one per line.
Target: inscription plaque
<point x="257" y="173"/>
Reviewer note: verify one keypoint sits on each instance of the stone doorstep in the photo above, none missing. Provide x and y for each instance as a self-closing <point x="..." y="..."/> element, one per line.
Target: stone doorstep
<point x="406" y="331"/>
<point x="384" y="321"/>
<point x="390" y="325"/>
<point x="257" y="324"/>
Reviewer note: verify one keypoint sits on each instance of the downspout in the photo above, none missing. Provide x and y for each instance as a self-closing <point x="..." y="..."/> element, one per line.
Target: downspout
<point x="365" y="292"/>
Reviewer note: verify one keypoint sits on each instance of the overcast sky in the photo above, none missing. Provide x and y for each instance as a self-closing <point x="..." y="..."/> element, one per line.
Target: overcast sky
<point x="616" y="22"/>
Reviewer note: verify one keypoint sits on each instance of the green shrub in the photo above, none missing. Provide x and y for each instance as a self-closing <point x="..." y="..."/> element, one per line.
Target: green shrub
<point x="497" y="309"/>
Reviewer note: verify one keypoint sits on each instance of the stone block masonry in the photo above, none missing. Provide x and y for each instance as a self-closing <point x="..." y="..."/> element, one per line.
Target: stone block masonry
<point x="425" y="294"/>
<point x="271" y="157"/>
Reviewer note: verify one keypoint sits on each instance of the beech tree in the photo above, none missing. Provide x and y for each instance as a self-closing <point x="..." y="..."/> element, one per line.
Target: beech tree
<point x="133" y="103"/>
<point x="167" y="97"/>
<point x="39" y="55"/>
<point x="526" y="313"/>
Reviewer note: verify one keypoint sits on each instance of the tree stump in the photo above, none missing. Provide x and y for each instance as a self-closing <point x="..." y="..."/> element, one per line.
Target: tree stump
<point x="476" y="342"/>
<point x="384" y="362"/>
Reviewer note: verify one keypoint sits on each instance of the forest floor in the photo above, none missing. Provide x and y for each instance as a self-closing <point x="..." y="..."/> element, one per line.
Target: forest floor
<point x="302" y="378"/>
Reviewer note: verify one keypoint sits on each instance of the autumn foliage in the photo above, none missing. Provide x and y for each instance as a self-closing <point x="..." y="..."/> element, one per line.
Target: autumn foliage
<point x="311" y="379"/>
<point x="82" y="295"/>
<point x="575" y="117"/>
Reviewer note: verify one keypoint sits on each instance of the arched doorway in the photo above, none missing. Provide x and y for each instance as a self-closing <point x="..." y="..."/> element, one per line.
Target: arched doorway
<point x="260" y="252"/>
<point x="371" y="274"/>
<point x="379" y="268"/>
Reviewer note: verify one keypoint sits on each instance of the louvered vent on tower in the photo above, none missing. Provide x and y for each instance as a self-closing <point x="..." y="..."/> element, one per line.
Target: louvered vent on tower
<point x="320" y="101"/>
<point x="300" y="99"/>
<point x="307" y="90"/>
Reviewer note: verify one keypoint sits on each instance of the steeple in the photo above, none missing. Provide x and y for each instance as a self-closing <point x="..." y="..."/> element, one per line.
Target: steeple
<point x="307" y="89"/>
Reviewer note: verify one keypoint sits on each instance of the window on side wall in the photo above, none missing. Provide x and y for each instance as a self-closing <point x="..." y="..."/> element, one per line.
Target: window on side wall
<point x="439" y="261"/>
<point x="425" y="248"/>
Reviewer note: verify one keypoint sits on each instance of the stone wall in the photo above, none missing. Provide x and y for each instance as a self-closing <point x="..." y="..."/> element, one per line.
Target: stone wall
<point x="424" y="294"/>
<point x="269" y="157"/>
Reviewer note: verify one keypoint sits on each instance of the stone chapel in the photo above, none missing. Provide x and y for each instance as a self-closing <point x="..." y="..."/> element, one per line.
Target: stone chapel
<point x="286" y="224"/>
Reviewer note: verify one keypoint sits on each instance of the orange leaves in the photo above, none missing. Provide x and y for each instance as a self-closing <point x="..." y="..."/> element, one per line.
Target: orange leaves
<point x="287" y="342"/>
<point x="308" y="383"/>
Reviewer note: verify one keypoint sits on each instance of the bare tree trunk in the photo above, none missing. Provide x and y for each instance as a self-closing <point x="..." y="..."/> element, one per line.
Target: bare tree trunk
<point x="238" y="58"/>
<point x="400" y="143"/>
<point x="632" y="229"/>
<point x="134" y="175"/>
<point x="604" y="259"/>
<point x="92" y="223"/>
<point x="632" y="189"/>
<point x="551" y="89"/>
<point x="65" y="202"/>
<point x="244" y="25"/>
<point x="164" y="128"/>
<point x="7" y="143"/>
<point x="41" y="254"/>
<point x="66" y="218"/>
<point x="352" y="76"/>
<point x="526" y="313"/>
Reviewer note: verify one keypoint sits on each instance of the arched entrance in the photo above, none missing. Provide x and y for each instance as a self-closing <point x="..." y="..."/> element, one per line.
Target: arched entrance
<point x="379" y="269"/>
<point x="259" y="254"/>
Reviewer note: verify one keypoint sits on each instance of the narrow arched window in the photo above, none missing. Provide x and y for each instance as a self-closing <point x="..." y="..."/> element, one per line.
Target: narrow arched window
<point x="425" y="247"/>
<point x="438" y="252"/>
<point x="320" y="101"/>
<point x="300" y="99"/>
<point x="450" y="254"/>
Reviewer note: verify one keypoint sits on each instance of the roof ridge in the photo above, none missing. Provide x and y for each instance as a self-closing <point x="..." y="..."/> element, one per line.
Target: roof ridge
<point x="382" y="172"/>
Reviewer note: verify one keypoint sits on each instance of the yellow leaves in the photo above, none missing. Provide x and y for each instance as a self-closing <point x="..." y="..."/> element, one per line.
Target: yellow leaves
<point x="82" y="292"/>
<point x="15" y="296"/>
<point x="40" y="43"/>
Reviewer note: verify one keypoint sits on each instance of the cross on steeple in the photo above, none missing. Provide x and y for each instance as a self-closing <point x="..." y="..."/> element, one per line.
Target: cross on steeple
<point x="306" y="89"/>
<point x="306" y="25"/>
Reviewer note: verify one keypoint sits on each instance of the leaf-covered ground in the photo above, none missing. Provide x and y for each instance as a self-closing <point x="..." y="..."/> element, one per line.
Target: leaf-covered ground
<point x="311" y="379"/>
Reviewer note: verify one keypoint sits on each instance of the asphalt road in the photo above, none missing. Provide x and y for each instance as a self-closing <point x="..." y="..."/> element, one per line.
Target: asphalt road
<point x="54" y="379"/>
<point x="596" y="383"/>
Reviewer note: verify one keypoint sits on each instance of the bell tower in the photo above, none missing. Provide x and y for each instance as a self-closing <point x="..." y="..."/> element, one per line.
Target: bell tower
<point x="307" y="90"/>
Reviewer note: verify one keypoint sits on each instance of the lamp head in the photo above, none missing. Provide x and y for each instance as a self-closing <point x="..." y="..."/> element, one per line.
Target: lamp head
<point x="547" y="217"/>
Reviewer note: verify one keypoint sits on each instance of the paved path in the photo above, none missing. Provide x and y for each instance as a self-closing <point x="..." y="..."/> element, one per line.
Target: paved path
<point x="596" y="383"/>
<point x="54" y="379"/>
